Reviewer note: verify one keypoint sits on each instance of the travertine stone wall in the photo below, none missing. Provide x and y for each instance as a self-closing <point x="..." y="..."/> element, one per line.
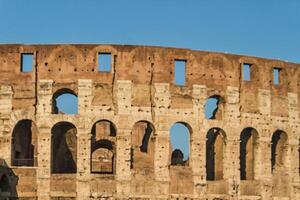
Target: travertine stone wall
<point x="140" y="87"/>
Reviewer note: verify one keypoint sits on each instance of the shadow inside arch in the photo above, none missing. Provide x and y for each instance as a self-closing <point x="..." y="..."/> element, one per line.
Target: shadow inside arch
<point x="8" y="182"/>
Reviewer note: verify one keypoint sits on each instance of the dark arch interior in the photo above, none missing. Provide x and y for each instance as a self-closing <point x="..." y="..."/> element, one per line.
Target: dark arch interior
<point x="103" y="147"/>
<point x="247" y="153"/>
<point x="64" y="148"/>
<point x="214" y="154"/>
<point x="24" y="144"/>
<point x="279" y="140"/>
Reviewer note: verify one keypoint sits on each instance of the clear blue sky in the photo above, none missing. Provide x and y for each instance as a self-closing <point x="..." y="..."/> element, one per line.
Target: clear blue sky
<point x="268" y="28"/>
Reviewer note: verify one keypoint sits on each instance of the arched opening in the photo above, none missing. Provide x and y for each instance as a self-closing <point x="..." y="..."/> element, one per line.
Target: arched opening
<point x="103" y="148"/>
<point x="4" y="184"/>
<point x="215" y="148"/>
<point x="180" y="143"/>
<point x="64" y="148"/>
<point x="142" y="148"/>
<point x="24" y="144"/>
<point x="64" y="101"/>
<point x="212" y="107"/>
<point x="248" y="150"/>
<point x="278" y="151"/>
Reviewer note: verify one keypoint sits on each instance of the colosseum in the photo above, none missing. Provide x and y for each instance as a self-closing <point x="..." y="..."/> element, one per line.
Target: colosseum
<point x="118" y="144"/>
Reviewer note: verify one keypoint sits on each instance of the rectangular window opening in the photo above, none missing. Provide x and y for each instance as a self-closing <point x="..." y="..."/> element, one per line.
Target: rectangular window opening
<point x="26" y="62"/>
<point x="179" y="72"/>
<point x="276" y="75"/>
<point x="246" y="72"/>
<point x="104" y="62"/>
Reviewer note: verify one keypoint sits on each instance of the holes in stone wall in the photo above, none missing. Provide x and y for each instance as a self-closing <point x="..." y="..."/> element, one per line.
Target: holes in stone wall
<point x="248" y="150"/>
<point x="103" y="148"/>
<point x="276" y="75"/>
<point x="27" y="62"/>
<point x="278" y="151"/>
<point x="215" y="148"/>
<point x="246" y="72"/>
<point x="64" y="101"/>
<point x="212" y="108"/>
<point x="104" y="62"/>
<point x="179" y="72"/>
<point x="180" y="134"/>
<point x="64" y="148"/>
<point x="24" y="144"/>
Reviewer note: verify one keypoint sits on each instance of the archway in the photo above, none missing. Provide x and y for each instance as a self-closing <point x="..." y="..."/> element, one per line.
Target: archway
<point x="180" y="134"/>
<point x="215" y="148"/>
<point x="64" y="101"/>
<point x="142" y="145"/>
<point x="64" y="148"/>
<point x="213" y="107"/>
<point x="279" y="150"/>
<point x="103" y="148"/>
<point x="24" y="144"/>
<point x="248" y="151"/>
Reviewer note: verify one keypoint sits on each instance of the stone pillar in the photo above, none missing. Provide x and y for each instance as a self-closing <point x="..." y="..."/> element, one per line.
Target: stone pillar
<point x="44" y="162"/>
<point x="199" y="142"/>
<point x="85" y="96"/>
<point x="231" y="161"/>
<point x="44" y="97"/>
<point x="264" y="164"/>
<point x="44" y="109"/>
<point x="83" y="163"/>
<point x="293" y="158"/>
<point x="266" y="175"/>
<point x="6" y="131"/>
<point x="123" y="146"/>
<point x="162" y="149"/>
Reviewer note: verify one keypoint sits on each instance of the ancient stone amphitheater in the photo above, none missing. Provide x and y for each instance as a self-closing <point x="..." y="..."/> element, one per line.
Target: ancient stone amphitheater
<point x="118" y="145"/>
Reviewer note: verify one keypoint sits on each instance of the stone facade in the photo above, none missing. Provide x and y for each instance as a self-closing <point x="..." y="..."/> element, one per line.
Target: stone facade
<point x="118" y="145"/>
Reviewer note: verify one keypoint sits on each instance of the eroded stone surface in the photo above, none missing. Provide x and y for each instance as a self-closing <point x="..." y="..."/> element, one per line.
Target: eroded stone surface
<point x="118" y="145"/>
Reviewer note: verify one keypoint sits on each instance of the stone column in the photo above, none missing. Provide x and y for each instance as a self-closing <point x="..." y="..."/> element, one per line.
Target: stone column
<point x="265" y="168"/>
<point x="162" y="149"/>
<point x="199" y="142"/>
<point x="231" y="163"/>
<point x="44" y="97"/>
<point x="44" y="109"/>
<point x="85" y="96"/>
<point x="232" y="118"/>
<point x="123" y="146"/>
<point x="83" y="163"/>
<point x="44" y="162"/>
<point x="293" y="161"/>
<point x="6" y="131"/>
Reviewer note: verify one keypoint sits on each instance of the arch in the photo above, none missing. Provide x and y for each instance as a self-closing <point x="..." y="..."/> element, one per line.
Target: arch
<point x="142" y="131"/>
<point x="180" y="134"/>
<point x="63" y="148"/>
<point x="142" y="145"/>
<point x="64" y="101"/>
<point x="279" y="150"/>
<point x="24" y="144"/>
<point x="215" y="148"/>
<point x="248" y="152"/>
<point x="213" y="107"/>
<point x="103" y="148"/>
